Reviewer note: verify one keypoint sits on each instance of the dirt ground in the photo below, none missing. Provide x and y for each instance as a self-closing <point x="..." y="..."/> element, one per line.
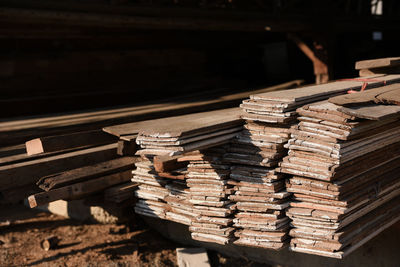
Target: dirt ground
<point x="86" y="244"/>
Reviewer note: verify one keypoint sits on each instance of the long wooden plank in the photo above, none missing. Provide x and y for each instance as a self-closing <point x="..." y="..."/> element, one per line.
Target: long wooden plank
<point x="377" y="63"/>
<point x="330" y="89"/>
<point x="385" y="94"/>
<point x="373" y="112"/>
<point x="20" y="130"/>
<point x="30" y="171"/>
<point x="87" y="172"/>
<point x="177" y="126"/>
<point x="68" y="141"/>
<point x="78" y="190"/>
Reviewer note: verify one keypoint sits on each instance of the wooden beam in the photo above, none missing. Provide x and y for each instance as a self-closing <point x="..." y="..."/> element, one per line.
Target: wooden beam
<point x="29" y="172"/>
<point x="78" y="190"/>
<point x="87" y="172"/>
<point x="68" y="141"/>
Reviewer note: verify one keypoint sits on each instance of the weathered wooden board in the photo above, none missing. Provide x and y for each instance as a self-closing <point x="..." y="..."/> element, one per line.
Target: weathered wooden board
<point x="87" y="172"/>
<point x="181" y="126"/>
<point x="377" y="63"/>
<point x="385" y="95"/>
<point x="373" y="112"/>
<point x="323" y="91"/>
<point x="78" y="190"/>
<point x="68" y="141"/>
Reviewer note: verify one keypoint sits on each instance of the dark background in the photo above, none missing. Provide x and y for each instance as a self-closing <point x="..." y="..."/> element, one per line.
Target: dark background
<point x="65" y="55"/>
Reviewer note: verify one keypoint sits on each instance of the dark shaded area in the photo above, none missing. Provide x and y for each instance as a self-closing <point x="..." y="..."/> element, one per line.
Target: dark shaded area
<point x="58" y="56"/>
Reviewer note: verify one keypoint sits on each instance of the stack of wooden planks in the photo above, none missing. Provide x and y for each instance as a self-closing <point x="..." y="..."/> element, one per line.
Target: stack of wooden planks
<point x="207" y="179"/>
<point x="260" y="194"/>
<point x="151" y="191"/>
<point x="180" y="134"/>
<point x="260" y="190"/>
<point x="163" y="193"/>
<point x="346" y="179"/>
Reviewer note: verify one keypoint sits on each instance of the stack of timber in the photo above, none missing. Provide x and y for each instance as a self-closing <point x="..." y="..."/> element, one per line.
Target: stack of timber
<point x="260" y="194"/>
<point x="180" y="209"/>
<point x="180" y="134"/>
<point x="151" y="191"/>
<point x="163" y="192"/>
<point x="346" y="179"/>
<point x="174" y="169"/>
<point x="207" y="179"/>
<point x="389" y="65"/>
<point x="260" y="190"/>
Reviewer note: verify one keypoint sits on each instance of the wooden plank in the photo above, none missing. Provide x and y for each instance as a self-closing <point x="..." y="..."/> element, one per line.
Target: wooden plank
<point x="12" y="150"/>
<point x="78" y="190"/>
<point x="182" y="126"/>
<point x="373" y="112"/>
<point x="87" y="172"/>
<point x="314" y="93"/>
<point x="168" y="163"/>
<point x="386" y="94"/>
<point x="30" y="171"/>
<point x="68" y="141"/>
<point x="377" y="63"/>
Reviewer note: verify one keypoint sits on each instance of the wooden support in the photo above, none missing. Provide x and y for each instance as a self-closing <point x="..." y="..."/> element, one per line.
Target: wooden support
<point x="87" y="172"/>
<point x="29" y="172"/>
<point x="78" y="190"/>
<point x="68" y="141"/>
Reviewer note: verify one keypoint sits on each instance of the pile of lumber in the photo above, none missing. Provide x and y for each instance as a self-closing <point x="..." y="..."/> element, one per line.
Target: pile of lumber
<point x="180" y="209"/>
<point x="260" y="190"/>
<point x="151" y="191"/>
<point x="260" y="194"/>
<point x="207" y="179"/>
<point x="346" y="179"/>
<point x="174" y="169"/>
<point x="180" y="134"/>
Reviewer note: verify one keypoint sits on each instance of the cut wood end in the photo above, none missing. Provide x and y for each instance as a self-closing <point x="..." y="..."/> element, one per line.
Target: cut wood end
<point x="32" y="201"/>
<point x="34" y="147"/>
